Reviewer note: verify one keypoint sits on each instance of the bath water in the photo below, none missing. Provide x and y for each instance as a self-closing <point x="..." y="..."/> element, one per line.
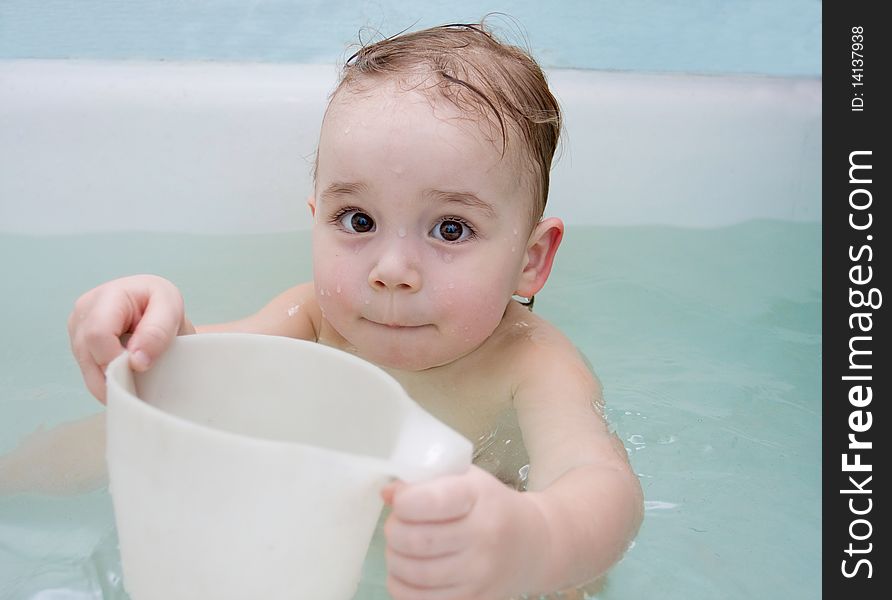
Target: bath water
<point x="707" y="342"/>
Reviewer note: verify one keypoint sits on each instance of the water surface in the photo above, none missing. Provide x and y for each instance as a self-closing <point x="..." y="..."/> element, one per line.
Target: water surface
<point x="707" y="342"/>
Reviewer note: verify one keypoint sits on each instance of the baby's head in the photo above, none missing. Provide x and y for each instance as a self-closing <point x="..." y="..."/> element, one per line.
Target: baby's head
<point x="498" y="87"/>
<point x="431" y="179"/>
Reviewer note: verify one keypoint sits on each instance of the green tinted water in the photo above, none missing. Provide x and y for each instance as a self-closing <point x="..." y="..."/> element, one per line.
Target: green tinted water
<point x="707" y="342"/>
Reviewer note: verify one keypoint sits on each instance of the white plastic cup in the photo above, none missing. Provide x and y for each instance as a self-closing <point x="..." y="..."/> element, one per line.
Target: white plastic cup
<point x="247" y="466"/>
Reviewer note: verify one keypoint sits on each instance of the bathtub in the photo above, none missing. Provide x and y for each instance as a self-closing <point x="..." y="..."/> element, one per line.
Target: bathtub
<point x="689" y="276"/>
<point x="210" y="147"/>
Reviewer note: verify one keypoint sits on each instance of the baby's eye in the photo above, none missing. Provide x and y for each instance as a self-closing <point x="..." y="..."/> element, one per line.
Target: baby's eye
<point x="356" y="221"/>
<point x="452" y="230"/>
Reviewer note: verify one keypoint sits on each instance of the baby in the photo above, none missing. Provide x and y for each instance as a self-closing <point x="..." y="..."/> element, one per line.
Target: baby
<point x="431" y="179"/>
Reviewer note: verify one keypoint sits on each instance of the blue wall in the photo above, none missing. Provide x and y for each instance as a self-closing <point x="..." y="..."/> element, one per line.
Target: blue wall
<point x="774" y="37"/>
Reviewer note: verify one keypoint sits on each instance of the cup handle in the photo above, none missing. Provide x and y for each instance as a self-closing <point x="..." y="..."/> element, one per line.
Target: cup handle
<point x="427" y="449"/>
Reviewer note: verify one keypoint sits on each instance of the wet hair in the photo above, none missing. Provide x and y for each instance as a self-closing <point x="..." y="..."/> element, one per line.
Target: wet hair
<point x="500" y="85"/>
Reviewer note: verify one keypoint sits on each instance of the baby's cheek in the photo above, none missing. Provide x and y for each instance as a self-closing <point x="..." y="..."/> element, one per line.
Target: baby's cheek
<point x="472" y="311"/>
<point x="337" y="291"/>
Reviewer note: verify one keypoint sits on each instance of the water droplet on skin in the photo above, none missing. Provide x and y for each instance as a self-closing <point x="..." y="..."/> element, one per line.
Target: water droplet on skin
<point x="513" y="249"/>
<point x="368" y="301"/>
<point x="293" y="310"/>
<point x="401" y="232"/>
<point x="515" y="232"/>
<point x="346" y="130"/>
<point x="338" y="290"/>
<point x="659" y="505"/>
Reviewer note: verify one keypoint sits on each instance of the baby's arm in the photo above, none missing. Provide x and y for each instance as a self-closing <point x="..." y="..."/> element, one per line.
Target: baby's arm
<point x="580" y="477"/>
<point x="470" y="537"/>
<point x="293" y="313"/>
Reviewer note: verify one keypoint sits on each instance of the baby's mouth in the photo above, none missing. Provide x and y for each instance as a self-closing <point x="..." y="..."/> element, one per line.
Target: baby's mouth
<point x="396" y="325"/>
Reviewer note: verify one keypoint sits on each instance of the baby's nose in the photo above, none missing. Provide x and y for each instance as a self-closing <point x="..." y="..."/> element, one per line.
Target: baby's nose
<point x="395" y="270"/>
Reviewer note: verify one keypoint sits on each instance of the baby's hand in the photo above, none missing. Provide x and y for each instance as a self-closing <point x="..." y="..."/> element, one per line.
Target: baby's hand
<point x="147" y="306"/>
<point x="461" y="537"/>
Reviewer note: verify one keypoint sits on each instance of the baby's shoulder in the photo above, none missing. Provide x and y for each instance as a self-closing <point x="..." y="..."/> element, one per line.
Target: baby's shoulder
<point x="293" y="313"/>
<point x="551" y="380"/>
<point x="535" y="346"/>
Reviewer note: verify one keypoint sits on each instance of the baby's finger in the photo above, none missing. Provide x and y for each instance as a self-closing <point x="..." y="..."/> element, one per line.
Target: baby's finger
<point x="157" y="328"/>
<point x="388" y="491"/>
<point x="99" y="330"/>
<point x="443" y="499"/>
<point x="425" y="540"/>
<point x="426" y="574"/>
<point x="94" y="377"/>
<point x="401" y="590"/>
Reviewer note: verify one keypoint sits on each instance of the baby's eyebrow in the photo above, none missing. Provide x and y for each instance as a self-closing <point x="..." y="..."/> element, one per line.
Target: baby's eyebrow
<point x="337" y="189"/>
<point x="464" y="198"/>
<point x="342" y="188"/>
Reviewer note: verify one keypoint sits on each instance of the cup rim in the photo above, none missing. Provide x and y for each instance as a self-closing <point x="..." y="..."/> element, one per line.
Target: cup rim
<point x="121" y="365"/>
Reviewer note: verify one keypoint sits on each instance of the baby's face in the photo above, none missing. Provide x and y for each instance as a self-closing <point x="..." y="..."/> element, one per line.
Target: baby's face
<point x="420" y="228"/>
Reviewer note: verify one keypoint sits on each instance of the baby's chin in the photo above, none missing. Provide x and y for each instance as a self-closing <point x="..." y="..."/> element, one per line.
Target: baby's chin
<point x="405" y="349"/>
<point x="404" y="359"/>
<point x="410" y="355"/>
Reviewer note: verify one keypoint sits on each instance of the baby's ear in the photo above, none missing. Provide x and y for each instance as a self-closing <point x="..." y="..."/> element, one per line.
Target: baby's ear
<point x="541" y="249"/>
<point x="311" y="203"/>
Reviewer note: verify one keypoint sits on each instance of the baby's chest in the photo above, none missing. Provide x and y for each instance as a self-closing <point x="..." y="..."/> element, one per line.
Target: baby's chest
<point x="485" y="415"/>
<point x="472" y="410"/>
